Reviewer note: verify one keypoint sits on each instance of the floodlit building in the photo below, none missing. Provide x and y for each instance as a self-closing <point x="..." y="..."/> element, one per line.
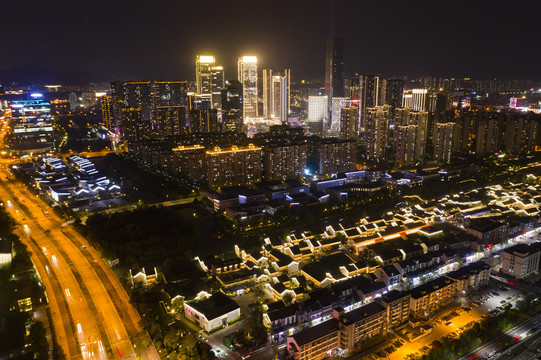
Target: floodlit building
<point x="203" y="73"/>
<point x="317" y="109"/>
<point x="247" y="75"/>
<point x="276" y="94"/>
<point x="443" y="141"/>
<point x="216" y="311"/>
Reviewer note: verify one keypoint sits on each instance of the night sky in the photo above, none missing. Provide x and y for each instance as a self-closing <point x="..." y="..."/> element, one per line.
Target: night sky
<point x="159" y="39"/>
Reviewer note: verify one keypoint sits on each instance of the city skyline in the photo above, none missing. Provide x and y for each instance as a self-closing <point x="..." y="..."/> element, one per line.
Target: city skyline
<point x="166" y="48"/>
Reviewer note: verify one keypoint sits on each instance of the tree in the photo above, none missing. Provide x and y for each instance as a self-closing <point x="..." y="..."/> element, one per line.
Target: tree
<point x="287" y="298"/>
<point x="342" y="238"/>
<point x="178" y="304"/>
<point x="38" y="342"/>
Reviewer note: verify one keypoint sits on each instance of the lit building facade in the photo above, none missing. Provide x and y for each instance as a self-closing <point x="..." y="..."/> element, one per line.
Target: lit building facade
<point x="443" y="141"/>
<point x="276" y="94"/>
<point x="31" y="122"/>
<point x="235" y="166"/>
<point x="247" y="75"/>
<point x="377" y="131"/>
<point x="336" y="156"/>
<point x="349" y="123"/>
<point x="285" y="161"/>
<point x="203" y="73"/>
<point x="317" y="109"/>
<point x="410" y="136"/>
<point x="232" y="106"/>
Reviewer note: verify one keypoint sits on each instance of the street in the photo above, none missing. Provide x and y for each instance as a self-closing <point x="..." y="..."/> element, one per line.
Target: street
<point x="90" y="310"/>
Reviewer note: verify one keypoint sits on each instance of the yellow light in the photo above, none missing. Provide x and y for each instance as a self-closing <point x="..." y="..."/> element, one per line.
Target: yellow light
<point x="249" y="59"/>
<point x="205" y="58"/>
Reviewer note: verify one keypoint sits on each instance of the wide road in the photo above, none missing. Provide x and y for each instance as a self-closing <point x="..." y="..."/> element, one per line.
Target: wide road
<point x="90" y="309"/>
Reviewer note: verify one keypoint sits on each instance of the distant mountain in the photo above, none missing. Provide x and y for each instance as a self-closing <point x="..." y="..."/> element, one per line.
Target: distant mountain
<point x="34" y="75"/>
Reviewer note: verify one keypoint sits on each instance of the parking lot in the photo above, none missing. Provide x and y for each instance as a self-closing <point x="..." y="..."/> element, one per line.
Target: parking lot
<point x="452" y="321"/>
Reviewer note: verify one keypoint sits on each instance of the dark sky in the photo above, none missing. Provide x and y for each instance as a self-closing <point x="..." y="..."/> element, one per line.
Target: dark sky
<point x="155" y="39"/>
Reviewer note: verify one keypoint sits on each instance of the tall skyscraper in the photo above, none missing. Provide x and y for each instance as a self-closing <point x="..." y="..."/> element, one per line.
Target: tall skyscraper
<point x="247" y="75"/>
<point x="334" y="67"/>
<point x="349" y="122"/>
<point x="377" y="131"/>
<point x="276" y="94"/>
<point x="203" y="73"/>
<point x="352" y="87"/>
<point x="370" y="86"/>
<point x="232" y="106"/>
<point x="170" y="121"/>
<point x="443" y="141"/>
<point x="394" y="91"/>
<point x="217" y="81"/>
<point x="337" y="104"/>
<point x="132" y="109"/>
<point x="415" y="99"/>
<point x="106" y="102"/>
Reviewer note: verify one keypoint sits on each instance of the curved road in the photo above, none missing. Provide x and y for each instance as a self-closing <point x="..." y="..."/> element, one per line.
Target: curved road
<point x="90" y="309"/>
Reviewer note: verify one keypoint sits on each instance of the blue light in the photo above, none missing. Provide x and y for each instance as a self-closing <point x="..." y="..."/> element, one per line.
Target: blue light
<point x="36" y="95"/>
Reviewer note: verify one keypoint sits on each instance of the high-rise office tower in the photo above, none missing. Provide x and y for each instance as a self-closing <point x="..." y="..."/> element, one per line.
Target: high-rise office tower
<point x="247" y="75"/>
<point x="204" y="121"/>
<point x="276" y="94"/>
<point x="349" y="121"/>
<point x="334" y="67"/>
<point x="232" y="106"/>
<point x="203" y="73"/>
<point x="410" y="135"/>
<point x="106" y="102"/>
<point x="217" y="81"/>
<point x="132" y="109"/>
<point x="377" y="131"/>
<point x="31" y="122"/>
<point x="443" y="141"/>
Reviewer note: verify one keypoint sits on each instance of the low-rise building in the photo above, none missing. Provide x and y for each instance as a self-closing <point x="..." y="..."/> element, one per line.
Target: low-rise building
<point x="521" y="260"/>
<point x="213" y="312"/>
<point x="431" y="296"/>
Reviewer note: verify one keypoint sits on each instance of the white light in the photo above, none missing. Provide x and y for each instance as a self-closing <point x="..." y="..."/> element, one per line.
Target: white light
<point x="249" y="59"/>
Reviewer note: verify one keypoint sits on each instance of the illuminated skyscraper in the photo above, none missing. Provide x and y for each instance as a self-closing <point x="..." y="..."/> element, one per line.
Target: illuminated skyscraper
<point x="132" y="109"/>
<point x="370" y="87"/>
<point x="217" y="82"/>
<point x="349" y="122"/>
<point x="377" y="131"/>
<point x="247" y="75"/>
<point x="106" y="102"/>
<point x="410" y="135"/>
<point x="337" y="104"/>
<point x="317" y="109"/>
<point x="276" y="94"/>
<point x="334" y="67"/>
<point x="415" y="99"/>
<point x="232" y="106"/>
<point x="443" y="141"/>
<point x="203" y="73"/>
